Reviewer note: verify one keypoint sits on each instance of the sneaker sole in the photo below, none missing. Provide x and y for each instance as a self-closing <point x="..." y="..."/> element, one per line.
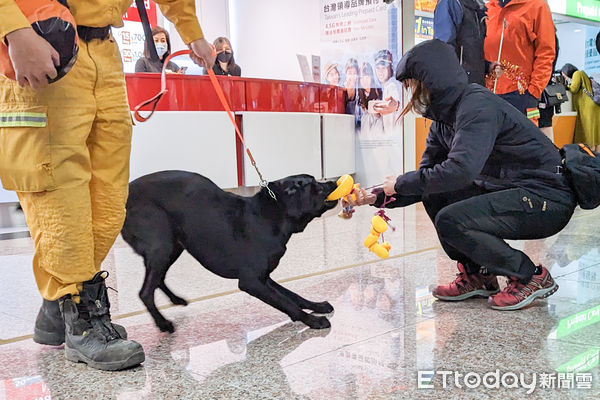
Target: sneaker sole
<point x="48" y="338"/>
<point x="464" y="296"/>
<point x="133" y="360"/>
<point x="541" y="294"/>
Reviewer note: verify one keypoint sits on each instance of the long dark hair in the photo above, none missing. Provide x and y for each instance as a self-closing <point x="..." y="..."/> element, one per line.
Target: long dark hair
<point x="155" y="30"/>
<point x="219" y="42"/>
<point x="568" y="70"/>
<point x="374" y="92"/>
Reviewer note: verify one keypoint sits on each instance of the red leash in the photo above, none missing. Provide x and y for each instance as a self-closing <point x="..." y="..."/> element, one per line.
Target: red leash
<point x="213" y="79"/>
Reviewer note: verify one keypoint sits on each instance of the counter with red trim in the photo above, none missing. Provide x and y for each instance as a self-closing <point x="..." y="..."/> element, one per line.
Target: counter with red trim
<point x="291" y="128"/>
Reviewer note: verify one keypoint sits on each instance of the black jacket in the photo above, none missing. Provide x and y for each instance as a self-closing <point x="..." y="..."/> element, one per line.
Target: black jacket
<point x="145" y="64"/>
<point x="476" y="137"/>
<point x="234" y="70"/>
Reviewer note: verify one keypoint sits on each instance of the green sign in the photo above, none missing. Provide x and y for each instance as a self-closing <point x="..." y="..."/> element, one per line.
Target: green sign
<point x="575" y="322"/>
<point x="586" y="9"/>
<point x="581" y="363"/>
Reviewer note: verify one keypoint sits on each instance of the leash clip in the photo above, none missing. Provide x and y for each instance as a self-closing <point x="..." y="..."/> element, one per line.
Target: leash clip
<point x="264" y="183"/>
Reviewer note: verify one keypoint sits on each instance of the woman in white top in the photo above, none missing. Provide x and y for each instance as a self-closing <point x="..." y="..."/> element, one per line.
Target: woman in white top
<point x="388" y="108"/>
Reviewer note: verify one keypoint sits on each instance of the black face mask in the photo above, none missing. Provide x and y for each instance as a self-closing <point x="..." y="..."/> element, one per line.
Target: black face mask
<point x="224" y="56"/>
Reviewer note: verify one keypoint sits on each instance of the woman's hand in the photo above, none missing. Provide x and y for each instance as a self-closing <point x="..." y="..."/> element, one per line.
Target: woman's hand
<point x="202" y="53"/>
<point x="362" y="198"/>
<point x="32" y="57"/>
<point x="390" y="107"/>
<point x="388" y="185"/>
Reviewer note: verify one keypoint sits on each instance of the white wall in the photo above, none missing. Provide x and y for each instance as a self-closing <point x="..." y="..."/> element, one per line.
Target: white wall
<point x="266" y="35"/>
<point x="214" y="20"/>
<point x="571" y="43"/>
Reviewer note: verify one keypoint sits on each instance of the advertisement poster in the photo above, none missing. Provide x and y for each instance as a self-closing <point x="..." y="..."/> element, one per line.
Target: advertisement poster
<point x="130" y="37"/>
<point x="423" y="28"/>
<point x="592" y="57"/>
<point x="360" y="46"/>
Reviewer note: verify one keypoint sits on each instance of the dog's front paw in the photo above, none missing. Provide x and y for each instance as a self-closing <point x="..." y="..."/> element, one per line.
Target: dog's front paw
<point x="323" y="308"/>
<point x="316" y="322"/>
<point x="166" y="326"/>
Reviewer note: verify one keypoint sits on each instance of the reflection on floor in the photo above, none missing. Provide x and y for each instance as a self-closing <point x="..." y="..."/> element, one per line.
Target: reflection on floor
<point x="389" y="338"/>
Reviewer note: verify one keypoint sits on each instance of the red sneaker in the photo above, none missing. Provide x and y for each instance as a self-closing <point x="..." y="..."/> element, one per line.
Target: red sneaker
<point x="517" y="295"/>
<point x="467" y="285"/>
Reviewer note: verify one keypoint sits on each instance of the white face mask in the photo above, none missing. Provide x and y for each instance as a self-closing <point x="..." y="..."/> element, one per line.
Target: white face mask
<point x="161" y="49"/>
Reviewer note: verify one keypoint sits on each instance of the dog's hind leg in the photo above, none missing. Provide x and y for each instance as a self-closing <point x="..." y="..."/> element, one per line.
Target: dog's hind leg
<point x="255" y="287"/>
<point x="322" y="307"/>
<point x="172" y="296"/>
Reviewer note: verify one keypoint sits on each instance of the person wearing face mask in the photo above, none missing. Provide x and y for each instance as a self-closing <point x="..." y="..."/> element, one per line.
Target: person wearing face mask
<point x="163" y="49"/>
<point x="225" y="64"/>
<point x="487" y="175"/>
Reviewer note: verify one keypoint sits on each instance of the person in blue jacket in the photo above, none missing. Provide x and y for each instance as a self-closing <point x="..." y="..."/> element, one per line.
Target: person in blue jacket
<point x="461" y="23"/>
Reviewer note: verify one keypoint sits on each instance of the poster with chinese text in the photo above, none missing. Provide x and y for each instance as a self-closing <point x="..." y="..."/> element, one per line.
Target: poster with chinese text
<point x="360" y="46"/>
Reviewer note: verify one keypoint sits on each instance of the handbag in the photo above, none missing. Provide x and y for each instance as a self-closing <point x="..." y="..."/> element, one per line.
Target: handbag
<point x="553" y="95"/>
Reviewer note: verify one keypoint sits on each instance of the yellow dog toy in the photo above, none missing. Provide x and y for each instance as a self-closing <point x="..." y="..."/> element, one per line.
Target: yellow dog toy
<point x="347" y="187"/>
<point x="378" y="226"/>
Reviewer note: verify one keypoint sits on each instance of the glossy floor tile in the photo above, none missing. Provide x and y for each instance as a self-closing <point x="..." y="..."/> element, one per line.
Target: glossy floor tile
<point x="389" y="338"/>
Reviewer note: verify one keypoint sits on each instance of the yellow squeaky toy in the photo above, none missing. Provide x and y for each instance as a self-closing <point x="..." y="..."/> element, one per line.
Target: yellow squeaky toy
<point x="378" y="226"/>
<point x="345" y="189"/>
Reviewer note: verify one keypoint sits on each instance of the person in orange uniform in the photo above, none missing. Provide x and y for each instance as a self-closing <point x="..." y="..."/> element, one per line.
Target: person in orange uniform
<point x="70" y="167"/>
<point x="527" y="53"/>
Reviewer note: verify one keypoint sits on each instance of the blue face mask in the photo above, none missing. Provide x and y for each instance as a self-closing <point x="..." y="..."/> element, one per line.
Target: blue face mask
<point x="161" y="49"/>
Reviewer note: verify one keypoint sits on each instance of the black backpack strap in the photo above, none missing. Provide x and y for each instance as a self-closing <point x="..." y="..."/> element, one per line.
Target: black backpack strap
<point x="147" y="30"/>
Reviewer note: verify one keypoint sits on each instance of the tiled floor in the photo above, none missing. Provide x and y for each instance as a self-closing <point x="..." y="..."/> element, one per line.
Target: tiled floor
<point x="386" y="326"/>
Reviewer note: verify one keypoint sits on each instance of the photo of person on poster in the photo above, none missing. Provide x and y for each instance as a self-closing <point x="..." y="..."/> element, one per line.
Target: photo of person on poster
<point x="368" y="95"/>
<point x="332" y="74"/>
<point x="390" y="103"/>
<point x="350" y="84"/>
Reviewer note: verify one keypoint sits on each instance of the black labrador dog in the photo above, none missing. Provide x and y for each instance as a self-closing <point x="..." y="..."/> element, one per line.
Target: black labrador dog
<point x="233" y="236"/>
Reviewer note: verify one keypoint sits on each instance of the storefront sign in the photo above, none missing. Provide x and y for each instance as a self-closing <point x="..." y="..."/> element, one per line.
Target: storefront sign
<point x="130" y="37"/>
<point x="423" y="28"/>
<point x="585" y="9"/>
<point x="427" y="6"/>
<point x="132" y="13"/>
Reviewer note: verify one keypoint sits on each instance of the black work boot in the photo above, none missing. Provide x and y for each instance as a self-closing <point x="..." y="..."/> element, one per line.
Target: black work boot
<point x="90" y="336"/>
<point x="50" y="327"/>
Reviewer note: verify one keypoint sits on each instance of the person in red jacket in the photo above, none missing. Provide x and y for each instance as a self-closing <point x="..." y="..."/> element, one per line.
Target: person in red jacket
<point x="527" y="53"/>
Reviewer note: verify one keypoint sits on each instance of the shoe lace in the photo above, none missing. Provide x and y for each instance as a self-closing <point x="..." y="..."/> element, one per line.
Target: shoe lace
<point x="513" y="286"/>
<point x="461" y="279"/>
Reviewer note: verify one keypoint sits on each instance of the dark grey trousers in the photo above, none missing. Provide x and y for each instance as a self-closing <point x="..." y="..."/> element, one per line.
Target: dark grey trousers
<point x="472" y="224"/>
